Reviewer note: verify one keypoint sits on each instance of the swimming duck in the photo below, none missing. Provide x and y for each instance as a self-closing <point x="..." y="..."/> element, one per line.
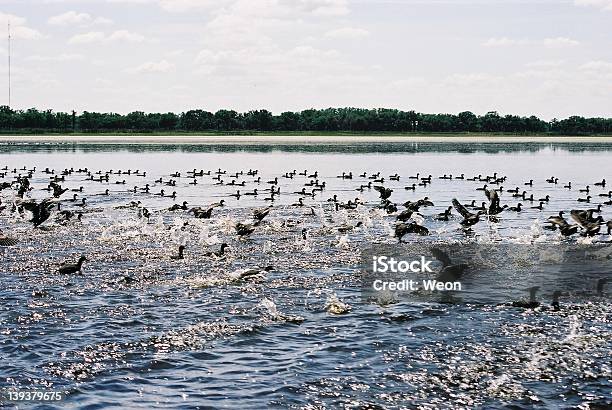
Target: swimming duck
<point x="219" y="253"/>
<point x="532" y="303"/>
<point x="180" y="255"/>
<point x="202" y="213"/>
<point x="69" y="268"/>
<point x="177" y="207"/>
<point x="444" y="216"/>
<point x="517" y="208"/>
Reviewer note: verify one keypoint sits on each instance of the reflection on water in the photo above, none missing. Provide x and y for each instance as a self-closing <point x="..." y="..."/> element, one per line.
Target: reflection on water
<point x="141" y="329"/>
<point x="315" y="147"/>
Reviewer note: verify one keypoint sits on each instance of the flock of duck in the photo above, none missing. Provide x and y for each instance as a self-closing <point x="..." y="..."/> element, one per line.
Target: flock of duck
<point x="61" y="202"/>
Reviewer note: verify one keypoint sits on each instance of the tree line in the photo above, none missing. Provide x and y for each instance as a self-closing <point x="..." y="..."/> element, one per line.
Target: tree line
<point x="311" y="120"/>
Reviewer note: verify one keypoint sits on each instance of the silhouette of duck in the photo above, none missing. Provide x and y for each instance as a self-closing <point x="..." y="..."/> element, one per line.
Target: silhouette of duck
<point x="219" y="253"/>
<point x="71" y="268"/>
<point x="402" y="229"/>
<point x="244" y="229"/>
<point x="180" y="255"/>
<point x="564" y="227"/>
<point x="469" y="218"/>
<point x="450" y="272"/>
<point x="532" y="303"/>
<point x="177" y="207"/>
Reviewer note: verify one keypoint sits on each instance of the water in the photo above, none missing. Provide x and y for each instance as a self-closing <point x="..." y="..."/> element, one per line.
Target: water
<point x="139" y="329"/>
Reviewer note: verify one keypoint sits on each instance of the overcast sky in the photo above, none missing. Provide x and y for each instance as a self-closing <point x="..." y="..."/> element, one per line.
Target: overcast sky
<point x="548" y="58"/>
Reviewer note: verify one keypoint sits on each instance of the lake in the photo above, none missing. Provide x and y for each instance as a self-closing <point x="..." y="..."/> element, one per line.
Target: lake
<point x="140" y="329"/>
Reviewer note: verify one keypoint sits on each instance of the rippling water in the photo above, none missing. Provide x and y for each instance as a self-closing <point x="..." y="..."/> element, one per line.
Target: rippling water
<point x="139" y="329"/>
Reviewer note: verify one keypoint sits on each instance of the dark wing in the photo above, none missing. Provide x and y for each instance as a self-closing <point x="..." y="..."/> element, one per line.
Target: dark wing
<point x="494" y="204"/>
<point x="442" y="256"/>
<point x="461" y="209"/>
<point x="558" y="220"/>
<point x="579" y="217"/>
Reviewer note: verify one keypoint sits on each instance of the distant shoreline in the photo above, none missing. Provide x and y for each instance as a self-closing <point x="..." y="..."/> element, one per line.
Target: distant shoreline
<point x="296" y="139"/>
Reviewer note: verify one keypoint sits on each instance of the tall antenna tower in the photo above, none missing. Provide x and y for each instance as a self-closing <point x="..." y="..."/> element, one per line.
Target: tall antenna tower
<point x="9" y="63"/>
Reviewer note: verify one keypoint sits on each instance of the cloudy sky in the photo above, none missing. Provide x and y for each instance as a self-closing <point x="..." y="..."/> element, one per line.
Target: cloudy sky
<point x="549" y="58"/>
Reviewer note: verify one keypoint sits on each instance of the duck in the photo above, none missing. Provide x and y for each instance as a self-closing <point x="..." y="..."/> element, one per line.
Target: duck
<point x="545" y="199"/>
<point x="564" y="227"/>
<point x="450" y="272"/>
<point x="202" y="213"/>
<point x="444" y="216"/>
<point x="469" y="218"/>
<point x="601" y="184"/>
<point x="177" y="207"/>
<point x="40" y="211"/>
<point x="590" y="227"/>
<point x="402" y="229"/>
<point x="219" y="253"/>
<point x="244" y="230"/>
<point x="72" y="268"/>
<point x="517" y="208"/>
<point x="260" y="214"/>
<point x="552" y="180"/>
<point x="181" y="253"/>
<point x="532" y="303"/>
<point x="587" y="199"/>
<point x="249" y="273"/>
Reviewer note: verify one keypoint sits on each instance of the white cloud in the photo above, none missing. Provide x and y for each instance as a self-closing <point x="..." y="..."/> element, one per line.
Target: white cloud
<point x="162" y="66"/>
<point x="99" y="37"/>
<point x="545" y="64"/>
<point x="347" y="33"/>
<point x="102" y="21"/>
<point x="504" y="42"/>
<point x="69" y="18"/>
<point x="85" y="38"/>
<point x="125" y="35"/>
<point x="19" y="30"/>
<point x="602" y="4"/>
<point x="559" y="42"/>
<point x="322" y="7"/>
<point x="556" y="42"/>
<point x="186" y="5"/>
<point x="59" y="58"/>
<point x="601" y="66"/>
<point x="314" y="7"/>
